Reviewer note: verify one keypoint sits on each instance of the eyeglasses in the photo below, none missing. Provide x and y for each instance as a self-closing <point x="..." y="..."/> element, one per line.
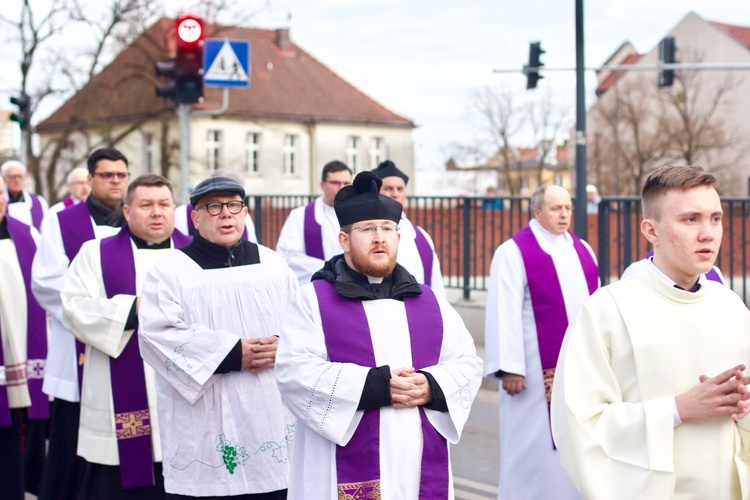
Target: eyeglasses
<point x="108" y="176"/>
<point x="216" y="207"/>
<point x="339" y="184"/>
<point x="371" y="230"/>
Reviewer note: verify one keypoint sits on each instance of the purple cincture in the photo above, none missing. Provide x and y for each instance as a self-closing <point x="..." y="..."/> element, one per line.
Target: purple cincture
<point x="348" y="339"/>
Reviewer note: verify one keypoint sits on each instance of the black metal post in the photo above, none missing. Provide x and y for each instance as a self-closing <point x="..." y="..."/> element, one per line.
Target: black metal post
<point x="580" y="211"/>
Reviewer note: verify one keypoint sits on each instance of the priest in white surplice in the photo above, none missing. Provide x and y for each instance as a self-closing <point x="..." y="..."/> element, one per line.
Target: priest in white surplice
<point x="310" y="234"/>
<point x="416" y="250"/>
<point x="538" y="280"/>
<point x="78" y="189"/>
<point x="63" y="234"/>
<point x="209" y="319"/>
<point x="380" y="373"/>
<point x="118" y="434"/>
<point x="649" y="399"/>
<point x="23" y="205"/>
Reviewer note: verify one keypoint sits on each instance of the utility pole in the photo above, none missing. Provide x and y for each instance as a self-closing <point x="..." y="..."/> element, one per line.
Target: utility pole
<point x="581" y="219"/>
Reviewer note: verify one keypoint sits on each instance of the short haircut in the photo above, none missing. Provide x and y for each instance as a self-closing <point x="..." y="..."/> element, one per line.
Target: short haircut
<point x="12" y="164"/>
<point x="110" y="154"/>
<point x="668" y="178"/>
<point x="537" y="199"/>
<point x="73" y="172"/>
<point x="147" y="180"/>
<point x="333" y="167"/>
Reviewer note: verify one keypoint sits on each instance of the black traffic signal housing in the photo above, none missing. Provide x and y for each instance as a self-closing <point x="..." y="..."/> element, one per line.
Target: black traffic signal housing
<point x="667" y="51"/>
<point x="23" y="117"/>
<point x="531" y="70"/>
<point x="186" y="70"/>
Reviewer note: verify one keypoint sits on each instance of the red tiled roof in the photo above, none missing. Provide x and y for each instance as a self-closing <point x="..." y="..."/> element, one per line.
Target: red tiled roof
<point x="285" y="84"/>
<point x="609" y="82"/>
<point x="527" y="153"/>
<point x="739" y="33"/>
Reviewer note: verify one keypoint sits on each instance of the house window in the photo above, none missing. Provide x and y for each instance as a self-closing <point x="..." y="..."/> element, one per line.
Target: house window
<point x="252" y="153"/>
<point x="213" y="150"/>
<point x="290" y="154"/>
<point x="149" y="152"/>
<point x="524" y="183"/>
<point x="376" y="152"/>
<point x="558" y="180"/>
<point x="352" y="153"/>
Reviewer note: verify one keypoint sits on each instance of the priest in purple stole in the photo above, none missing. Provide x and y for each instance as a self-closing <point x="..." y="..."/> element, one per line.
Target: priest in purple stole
<point x="309" y="236"/>
<point x="24" y="408"/>
<point x="118" y="435"/>
<point x="23" y="205"/>
<point x="379" y="371"/>
<point x="416" y="251"/>
<point x="78" y="189"/>
<point x="538" y="280"/>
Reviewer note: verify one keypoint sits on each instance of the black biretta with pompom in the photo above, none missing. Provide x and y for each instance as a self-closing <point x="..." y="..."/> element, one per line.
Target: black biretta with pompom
<point x="389" y="169"/>
<point x="363" y="201"/>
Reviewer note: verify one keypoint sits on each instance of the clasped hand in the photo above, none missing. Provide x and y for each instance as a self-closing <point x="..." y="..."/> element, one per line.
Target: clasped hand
<point x="258" y="354"/>
<point x="409" y="389"/>
<point x="724" y="394"/>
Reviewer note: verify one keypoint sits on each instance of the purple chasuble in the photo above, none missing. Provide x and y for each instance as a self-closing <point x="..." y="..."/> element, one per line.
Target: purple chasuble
<point x="547" y="299"/>
<point x="129" y="396"/>
<point x="36" y="336"/>
<point x="348" y="340"/>
<point x="191" y="226"/>
<point x="313" y="234"/>
<point x="425" y="254"/>
<point x="37" y="214"/>
<point x="76" y="229"/>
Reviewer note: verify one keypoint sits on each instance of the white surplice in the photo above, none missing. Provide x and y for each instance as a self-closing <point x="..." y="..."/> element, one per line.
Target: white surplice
<point x="47" y="279"/>
<point x="291" y="244"/>
<point x="227" y="433"/>
<point x="635" y="345"/>
<point x="21" y="210"/>
<point x="324" y="396"/>
<point x="529" y="465"/>
<point x="181" y="216"/>
<point x="409" y="257"/>
<point x="99" y="322"/>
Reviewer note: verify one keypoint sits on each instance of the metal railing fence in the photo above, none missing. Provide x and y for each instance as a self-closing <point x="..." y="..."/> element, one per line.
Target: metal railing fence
<point x="466" y="232"/>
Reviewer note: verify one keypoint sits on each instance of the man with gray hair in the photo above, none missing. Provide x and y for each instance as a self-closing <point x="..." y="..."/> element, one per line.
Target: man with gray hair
<point x="538" y="280"/>
<point x="23" y="205"/>
<point x="78" y="189"/>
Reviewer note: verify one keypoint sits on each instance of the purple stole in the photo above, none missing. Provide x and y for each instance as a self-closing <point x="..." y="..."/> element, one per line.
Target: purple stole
<point x="36" y="211"/>
<point x="67" y="202"/>
<point x="313" y="234"/>
<point x="191" y="226"/>
<point x="348" y="339"/>
<point x="36" y="340"/>
<point x="129" y="397"/>
<point x="546" y="297"/>
<point x="711" y="275"/>
<point x="76" y="229"/>
<point x="425" y="254"/>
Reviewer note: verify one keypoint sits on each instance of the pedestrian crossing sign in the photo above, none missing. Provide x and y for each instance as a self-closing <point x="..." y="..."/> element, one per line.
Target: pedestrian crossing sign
<point x="226" y="63"/>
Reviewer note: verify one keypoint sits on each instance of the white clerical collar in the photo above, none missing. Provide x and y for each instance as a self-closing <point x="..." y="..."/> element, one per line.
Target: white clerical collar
<point x="548" y="235"/>
<point x="374" y="279"/>
<point x="667" y="279"/>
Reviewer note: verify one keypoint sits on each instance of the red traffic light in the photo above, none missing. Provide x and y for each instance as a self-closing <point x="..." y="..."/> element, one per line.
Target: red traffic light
<point x="189" y="29"/>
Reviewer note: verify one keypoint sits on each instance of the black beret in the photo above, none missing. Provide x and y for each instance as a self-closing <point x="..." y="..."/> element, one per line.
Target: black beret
<point x="223" y="185"/>
<point x="363" y="201"/>
<point x="389" y="169"/>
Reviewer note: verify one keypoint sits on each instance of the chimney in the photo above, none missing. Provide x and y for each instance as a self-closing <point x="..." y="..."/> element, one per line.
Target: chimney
<point x="282" y="39"/>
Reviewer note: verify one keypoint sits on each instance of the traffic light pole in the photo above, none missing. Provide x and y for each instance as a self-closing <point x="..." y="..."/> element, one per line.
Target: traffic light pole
<point x="581" y="220"/>
<point x="183" y="113"/>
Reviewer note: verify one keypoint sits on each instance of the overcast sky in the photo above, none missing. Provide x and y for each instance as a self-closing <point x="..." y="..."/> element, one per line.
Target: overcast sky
<point x="422" y="58"/>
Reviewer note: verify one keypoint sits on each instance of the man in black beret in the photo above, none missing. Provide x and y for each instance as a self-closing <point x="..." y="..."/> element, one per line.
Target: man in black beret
<point x="209" y="317"/>
<point x="416" y="250"/>
<point x="379" y="372"/>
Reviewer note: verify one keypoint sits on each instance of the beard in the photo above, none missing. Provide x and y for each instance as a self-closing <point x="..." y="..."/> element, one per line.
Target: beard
<point x="362" y="263"/>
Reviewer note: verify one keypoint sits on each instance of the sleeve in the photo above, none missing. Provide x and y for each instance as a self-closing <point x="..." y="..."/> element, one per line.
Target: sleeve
<point x="504" y="326"/>
<point x="321" y="394"/>
<point x="185" y="355"/>
<point x="49" y="268"/>
<point x="458" y="374"/>
<point x="291" y="246"/>
<point x="93" y="318"/>
<point x="602" y="438"/>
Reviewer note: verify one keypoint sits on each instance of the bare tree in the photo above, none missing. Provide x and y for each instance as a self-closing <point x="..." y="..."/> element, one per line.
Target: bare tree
<point x="547" y="121"/>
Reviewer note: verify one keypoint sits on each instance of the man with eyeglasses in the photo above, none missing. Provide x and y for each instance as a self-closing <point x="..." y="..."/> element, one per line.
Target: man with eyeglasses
<point x="118" y="434"/>
<point x="23" y="205"/>
<point x="310" y="234"/>
<point x="416" y="251"/>
<point x="78" y="189"/>
<point x="209" y="318"/>
<point x="63" y="234"/>
<point x="380" y="372"/>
